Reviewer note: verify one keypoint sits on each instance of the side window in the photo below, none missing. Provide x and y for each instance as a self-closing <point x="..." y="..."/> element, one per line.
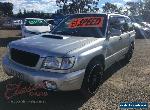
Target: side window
<point x="117" y="23"/>
<point x="123" y="24"/>
<point x="121" y="20"/>
<point x="129" y="23"/>
<point x="113" y="23"/>
<point x="114" y="26"/>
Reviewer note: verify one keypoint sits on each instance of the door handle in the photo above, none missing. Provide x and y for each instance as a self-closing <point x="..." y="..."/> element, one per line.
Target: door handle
<point x="120" y="38"/>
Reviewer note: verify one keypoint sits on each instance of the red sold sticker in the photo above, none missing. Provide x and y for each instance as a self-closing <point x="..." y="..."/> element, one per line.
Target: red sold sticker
<point x="86" y="22"/>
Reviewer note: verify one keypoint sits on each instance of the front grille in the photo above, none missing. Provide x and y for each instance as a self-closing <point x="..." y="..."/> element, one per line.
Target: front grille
<point x="24" y="58"/>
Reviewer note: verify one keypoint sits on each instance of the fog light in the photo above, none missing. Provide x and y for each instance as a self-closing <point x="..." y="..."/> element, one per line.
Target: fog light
<point x="50" y="85"/>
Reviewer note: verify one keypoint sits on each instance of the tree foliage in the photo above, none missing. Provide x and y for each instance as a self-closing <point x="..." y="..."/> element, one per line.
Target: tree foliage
<point x="32" y="14"/>
<point x="140" y="8"/>
<point x="135" y="8"/>
<point x="77" y="6"/>
<point x="146" y="10"/>
<point x="6" y="9"/>
<point x="111" y="8"/>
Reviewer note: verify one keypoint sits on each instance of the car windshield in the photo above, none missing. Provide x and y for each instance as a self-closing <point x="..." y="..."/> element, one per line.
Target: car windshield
<point x="35" y="22"/>
<point x="82" y="25"/>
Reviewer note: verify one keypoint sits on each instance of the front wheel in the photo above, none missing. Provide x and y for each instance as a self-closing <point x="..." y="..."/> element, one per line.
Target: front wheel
<point x="92" y="78"/>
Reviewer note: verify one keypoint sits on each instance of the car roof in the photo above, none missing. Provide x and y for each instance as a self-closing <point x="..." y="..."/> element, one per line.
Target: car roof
<point x="114" y="14"/>
<point x="88" y="14"/>
<point x="107" y="14"/>
<point x="35" y="18"/>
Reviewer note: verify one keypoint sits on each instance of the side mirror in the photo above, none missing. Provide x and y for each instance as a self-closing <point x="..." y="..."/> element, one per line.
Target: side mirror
<point x="115" y="32"/>
<point x="51" y="26"/>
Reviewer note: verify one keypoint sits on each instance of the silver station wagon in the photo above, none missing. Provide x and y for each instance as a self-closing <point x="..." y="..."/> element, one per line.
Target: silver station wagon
<point x="74" y="55"/>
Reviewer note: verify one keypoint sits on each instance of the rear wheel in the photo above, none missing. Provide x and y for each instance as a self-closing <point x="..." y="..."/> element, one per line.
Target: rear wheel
<point x="92" y="78"/>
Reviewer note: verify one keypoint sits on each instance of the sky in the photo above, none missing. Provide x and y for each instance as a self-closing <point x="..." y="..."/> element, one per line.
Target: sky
<point x="49" y="6"/>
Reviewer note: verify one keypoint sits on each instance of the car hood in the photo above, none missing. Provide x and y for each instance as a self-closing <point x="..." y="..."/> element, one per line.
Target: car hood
<point x="52" y="44"/>
<point x="38" y="28"/>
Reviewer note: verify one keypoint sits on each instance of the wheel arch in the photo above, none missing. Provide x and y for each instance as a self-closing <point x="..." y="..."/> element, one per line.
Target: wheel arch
<point x="100" y="57"/>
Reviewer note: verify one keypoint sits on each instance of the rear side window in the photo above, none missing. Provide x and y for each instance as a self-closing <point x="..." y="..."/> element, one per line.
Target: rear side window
<point x="35" y="22"/>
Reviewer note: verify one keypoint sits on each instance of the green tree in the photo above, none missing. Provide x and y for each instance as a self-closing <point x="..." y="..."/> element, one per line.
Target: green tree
<point x="111" y="8"/>
<point x="77" y="6"/>
<point x="131" y="7"/>
<point x="20" y="14"/>
<point x="146" y="10"/>
<point x="135" y="8"/>
<point x="6" y="9"/>
<point x="147" y="5"/>
<point x="24" y="12"/>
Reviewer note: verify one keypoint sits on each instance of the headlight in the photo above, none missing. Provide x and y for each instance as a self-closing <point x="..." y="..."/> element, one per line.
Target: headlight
<point x="52" y="63"/>
<point x="58" y="63"/>
<point x="67" y="63"/>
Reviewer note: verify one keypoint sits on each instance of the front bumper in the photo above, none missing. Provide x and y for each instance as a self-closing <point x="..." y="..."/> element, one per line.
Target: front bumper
<point x="63" y="81"/>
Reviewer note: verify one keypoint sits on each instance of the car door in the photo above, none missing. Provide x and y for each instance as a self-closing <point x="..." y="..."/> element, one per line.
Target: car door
<point x="129" y="31"/>
<point x="124" y="36"/>
<point x="114" y="41"/>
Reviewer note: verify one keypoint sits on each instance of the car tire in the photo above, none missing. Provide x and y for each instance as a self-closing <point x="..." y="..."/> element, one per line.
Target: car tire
<point x="129" y="54"/>
<point x="92" y="78"/>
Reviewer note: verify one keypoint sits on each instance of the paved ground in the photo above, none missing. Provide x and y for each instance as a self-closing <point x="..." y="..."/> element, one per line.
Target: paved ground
<point x="122" y="83"/>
